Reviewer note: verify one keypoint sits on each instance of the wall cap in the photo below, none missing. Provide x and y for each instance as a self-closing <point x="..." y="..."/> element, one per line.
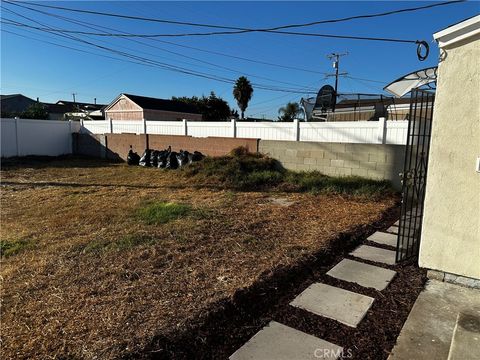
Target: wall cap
<point x="458" y="32"/>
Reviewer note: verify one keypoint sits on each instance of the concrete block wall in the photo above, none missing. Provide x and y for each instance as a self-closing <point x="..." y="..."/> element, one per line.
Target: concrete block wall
<point x="373" y="161"/>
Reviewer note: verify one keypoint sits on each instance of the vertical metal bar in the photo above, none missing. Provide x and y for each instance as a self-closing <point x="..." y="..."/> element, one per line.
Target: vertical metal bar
<point x="426" y="150"/>
<point x="418" y="171"/>
<point x="401" y="225"/>
<point x="410" y="189"/>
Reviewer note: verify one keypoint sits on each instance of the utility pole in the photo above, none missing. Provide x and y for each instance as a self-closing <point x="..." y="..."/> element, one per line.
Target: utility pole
<point x="73" y="94"/>
<point x="336" y="64"/>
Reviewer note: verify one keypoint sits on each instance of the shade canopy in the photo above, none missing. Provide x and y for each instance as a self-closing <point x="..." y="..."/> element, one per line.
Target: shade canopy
<point x="414" y="80"/>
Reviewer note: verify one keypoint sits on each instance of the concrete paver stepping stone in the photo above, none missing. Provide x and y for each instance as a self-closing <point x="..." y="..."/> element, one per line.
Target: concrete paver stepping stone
<point x="341" y="305"/>
<point x="393" y="229"/>
<point x="362" y="274"/>
<point x="397" y="223"/>
<point x="375" y="254"/>
<point x="279" y="342"/>
<point x="383" y="238"/>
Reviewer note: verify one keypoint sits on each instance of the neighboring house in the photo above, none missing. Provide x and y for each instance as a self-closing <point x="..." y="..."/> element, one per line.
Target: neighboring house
<point x="134" y="107"/>
<point x="69" y="110"/>
<point x="13" y="105"/>
<point x="366" y="109"/>
<point x="451" y="222"/>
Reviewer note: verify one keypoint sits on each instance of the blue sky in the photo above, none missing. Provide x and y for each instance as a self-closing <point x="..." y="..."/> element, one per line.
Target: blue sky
<point x="38" y="69"/>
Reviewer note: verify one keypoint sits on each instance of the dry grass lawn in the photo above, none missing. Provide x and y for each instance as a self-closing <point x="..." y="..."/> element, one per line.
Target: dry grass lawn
<point x="85" y="276"/>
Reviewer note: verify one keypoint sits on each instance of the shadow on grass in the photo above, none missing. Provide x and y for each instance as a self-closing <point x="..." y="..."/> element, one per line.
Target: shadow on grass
<point x="64" y="161"/>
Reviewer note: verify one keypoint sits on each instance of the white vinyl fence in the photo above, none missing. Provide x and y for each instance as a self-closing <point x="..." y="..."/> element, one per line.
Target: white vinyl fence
<point x="368" y="132"/>
<point x="22" y="137"/>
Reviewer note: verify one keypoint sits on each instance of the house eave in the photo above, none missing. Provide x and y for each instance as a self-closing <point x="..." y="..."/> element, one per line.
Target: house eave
<point x="458" y="32"/>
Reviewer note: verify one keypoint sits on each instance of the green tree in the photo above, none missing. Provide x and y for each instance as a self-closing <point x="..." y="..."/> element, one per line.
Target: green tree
<point x="289" y="112"/>
<point x="242" y="92"/>
<point x="35" y="111"/>
<point x="212" y="108"/>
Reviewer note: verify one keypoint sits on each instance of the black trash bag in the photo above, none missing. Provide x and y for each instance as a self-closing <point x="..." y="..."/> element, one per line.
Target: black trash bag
<point x="162" y="159"/>
<point x="197" y="156"/>
<point x="172" y="162"/>
<point x="182" y="158"/>
<point x="132" y="158"/>
<point x="154" y="158"/>
<point x="145" y="159"/>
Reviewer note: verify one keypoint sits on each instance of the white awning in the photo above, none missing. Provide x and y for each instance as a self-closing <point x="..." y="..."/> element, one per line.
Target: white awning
<point x="414" y="80"/>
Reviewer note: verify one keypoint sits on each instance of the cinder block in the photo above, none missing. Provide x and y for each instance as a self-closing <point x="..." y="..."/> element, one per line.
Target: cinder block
<point x="336" y="163"/>
<point x="309" y="161"/>
<point x="317" y="154"/>
<point x="338" y="147"/>
<point x="291" y="152"/>
<point x="360" y="156"/>
<point x="368" y="165"/>
<point x="344" y="171"/>
<point x="351" y="164"/>
<point x="329" y="155"/>
<point x="303" y="153"/>
<point x="303" y="167"/>
<point x="383" y="167"/>
<point x="360" y="172"/>
<point x="374" y="174"/>
<point x="323" y="162"/>
<point x="361" y="148"/>
<point x="327" y="170"/>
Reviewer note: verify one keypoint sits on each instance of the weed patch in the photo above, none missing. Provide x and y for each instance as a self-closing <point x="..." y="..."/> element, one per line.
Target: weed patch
<point x="13" y="247"/>
<point x="245" y="171"/>
<point x="163" y="212"/>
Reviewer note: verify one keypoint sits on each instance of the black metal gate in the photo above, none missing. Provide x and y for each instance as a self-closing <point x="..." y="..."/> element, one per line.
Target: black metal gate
<point x="415" y="174"/>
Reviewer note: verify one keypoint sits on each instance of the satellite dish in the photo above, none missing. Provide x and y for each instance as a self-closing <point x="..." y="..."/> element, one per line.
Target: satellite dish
<point x="325" y="98"/>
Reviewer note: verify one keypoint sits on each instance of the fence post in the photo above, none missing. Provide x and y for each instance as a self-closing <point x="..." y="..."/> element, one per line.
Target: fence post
<point x="71" y="135"/>
<point x="296" y="129"/>
<point x="144" y="126"/>
<point x="81" y="126"/>
<point x="17" y="145"/>
<point x="382" y="130"/>
<point x="110" y="125"/>
<point x="185" y="127"/>
<point x="234" y="128"/>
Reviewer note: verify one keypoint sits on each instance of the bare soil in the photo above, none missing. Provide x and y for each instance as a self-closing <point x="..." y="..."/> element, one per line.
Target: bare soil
<point x="69" y="294"/>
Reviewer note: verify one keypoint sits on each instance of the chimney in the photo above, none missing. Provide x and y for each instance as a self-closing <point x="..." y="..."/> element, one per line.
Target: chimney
<point x="95" y="101"/>
<point x="38" y="100"/>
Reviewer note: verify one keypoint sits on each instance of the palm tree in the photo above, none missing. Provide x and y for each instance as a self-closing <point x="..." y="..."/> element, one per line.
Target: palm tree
<point x="289" y="112"/>
<point x="242" y="92"/>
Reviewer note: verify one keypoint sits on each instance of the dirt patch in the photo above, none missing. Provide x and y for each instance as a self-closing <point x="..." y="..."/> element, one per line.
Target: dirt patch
<point x="99" y="283"/>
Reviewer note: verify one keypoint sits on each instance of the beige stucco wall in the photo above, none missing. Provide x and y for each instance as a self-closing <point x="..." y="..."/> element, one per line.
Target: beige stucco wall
<point x="451" y="226"/>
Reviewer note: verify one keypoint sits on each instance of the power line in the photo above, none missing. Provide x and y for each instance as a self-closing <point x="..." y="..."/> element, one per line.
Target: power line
<point x="154" y="63"/>
<point x="195" y="48"/>
<point x="93" y="26"/>
<point x="238" y="30"/>
<point x="423" y="48"/>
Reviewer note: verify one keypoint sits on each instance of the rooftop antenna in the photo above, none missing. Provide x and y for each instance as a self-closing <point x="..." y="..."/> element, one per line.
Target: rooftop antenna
<point x="336" y="64"/>
<point x="73" y="94"/>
